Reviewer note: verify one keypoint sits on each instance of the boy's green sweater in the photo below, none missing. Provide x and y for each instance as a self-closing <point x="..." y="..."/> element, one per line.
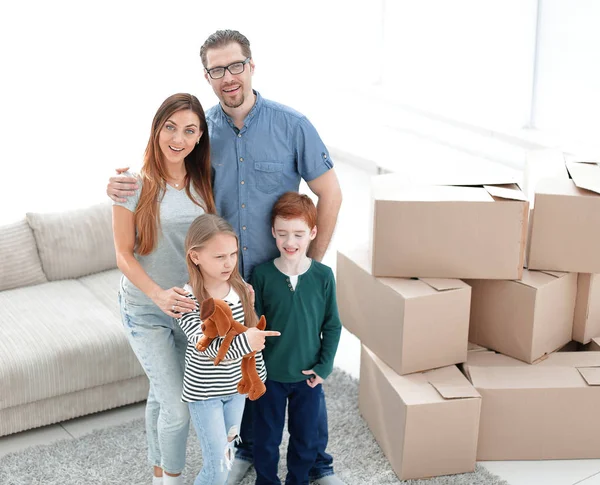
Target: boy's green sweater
<point x="307" y="318"/>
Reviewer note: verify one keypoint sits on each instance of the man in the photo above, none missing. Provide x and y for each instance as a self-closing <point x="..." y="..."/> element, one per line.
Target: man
<point x="259" y="150"/>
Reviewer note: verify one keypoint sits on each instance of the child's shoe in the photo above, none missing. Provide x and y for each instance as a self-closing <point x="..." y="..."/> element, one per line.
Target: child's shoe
<point x="328" y="480"/>
<point x="238" y="471"/>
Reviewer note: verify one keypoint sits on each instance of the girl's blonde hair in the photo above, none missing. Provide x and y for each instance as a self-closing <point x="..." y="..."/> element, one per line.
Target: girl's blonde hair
<point x="204" y="228"/>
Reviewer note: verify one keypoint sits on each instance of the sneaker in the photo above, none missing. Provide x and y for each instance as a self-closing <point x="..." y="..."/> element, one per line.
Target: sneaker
<point x="328" y="480"/>
<point x="238" y="471"/>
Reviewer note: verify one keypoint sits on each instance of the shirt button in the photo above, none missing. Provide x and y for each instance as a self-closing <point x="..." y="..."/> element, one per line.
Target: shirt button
<point x="324" y="156"/>
<point x="245" y="248"/>
<point x="239" y="135"/>
<point x="243" y="228"/>
<point x="241" y="159"/>
<point x="242" y="182"/>
<point x="243" y="206"/>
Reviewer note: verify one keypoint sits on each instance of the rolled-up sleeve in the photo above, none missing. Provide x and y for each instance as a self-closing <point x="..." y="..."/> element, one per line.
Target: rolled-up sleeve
<point x="312" y="156"/>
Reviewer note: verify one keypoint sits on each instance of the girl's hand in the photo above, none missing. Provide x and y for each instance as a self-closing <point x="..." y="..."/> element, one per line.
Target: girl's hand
<point x="174" y="302"/>
<point x="314" y="380"/>
<point x="256" y="337"/>
<point x="251" y="294"/>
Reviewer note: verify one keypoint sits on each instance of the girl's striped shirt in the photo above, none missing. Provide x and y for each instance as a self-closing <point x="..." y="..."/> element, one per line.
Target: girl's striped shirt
<point x="202" y="378"/>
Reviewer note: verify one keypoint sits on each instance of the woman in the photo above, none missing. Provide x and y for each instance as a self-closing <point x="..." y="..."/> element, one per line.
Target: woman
<point x="174" y="187"/>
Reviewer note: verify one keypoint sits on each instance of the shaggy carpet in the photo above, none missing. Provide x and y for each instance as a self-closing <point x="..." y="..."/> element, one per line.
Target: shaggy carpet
<point x="117" y="455"/>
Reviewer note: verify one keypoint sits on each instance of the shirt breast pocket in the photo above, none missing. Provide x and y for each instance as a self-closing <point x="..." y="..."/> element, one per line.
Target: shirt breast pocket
<point x="268" y="176"/>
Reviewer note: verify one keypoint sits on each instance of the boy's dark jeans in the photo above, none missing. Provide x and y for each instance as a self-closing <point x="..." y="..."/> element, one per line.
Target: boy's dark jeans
<point x="323" y="465"/>
<point x="303" y="403"/>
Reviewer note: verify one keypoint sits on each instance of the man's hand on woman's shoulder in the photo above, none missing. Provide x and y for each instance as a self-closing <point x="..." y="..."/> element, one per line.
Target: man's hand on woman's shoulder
<point x="121" y="186"/>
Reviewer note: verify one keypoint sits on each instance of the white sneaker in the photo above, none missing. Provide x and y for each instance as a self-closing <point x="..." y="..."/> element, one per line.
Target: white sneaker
<point x="238" y="471"/>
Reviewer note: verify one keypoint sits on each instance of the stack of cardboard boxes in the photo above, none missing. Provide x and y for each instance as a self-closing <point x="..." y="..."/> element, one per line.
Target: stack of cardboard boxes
<point x="442" y="281"/>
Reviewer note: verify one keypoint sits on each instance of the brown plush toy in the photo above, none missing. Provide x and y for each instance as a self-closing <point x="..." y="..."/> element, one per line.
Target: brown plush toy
<point x="217" y="321"/>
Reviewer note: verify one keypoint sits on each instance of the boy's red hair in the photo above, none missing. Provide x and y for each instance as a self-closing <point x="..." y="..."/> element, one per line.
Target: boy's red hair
<point x="293" y="205"/>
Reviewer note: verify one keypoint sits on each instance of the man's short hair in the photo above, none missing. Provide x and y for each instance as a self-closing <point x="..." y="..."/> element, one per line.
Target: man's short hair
<point x="222" y="38"/>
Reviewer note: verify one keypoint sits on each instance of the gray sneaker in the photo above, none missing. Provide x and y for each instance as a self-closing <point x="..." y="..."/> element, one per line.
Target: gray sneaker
<point x="238" y="471"/>
<point x="328" y="480"/>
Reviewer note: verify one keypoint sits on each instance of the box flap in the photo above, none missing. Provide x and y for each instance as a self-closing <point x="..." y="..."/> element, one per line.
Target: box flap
<point x="384" y="187"/>
<point x="471" y="347"/>
<point x="557" y="274"/>
<point x="590" y="374"/>
<point x="511" y="192"/>
<point x="585" y="174"/>
<point x="572" y="359"/>
<point x="450" y="384"/>
<point x="469" y="171"/>
<point x="455" y="391"/>
<point x="537" y="279"/>
<point x="443" y="284"/>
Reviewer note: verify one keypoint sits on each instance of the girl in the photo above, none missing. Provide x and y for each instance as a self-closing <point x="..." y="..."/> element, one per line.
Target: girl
<point x="215" y="406"/>
<point x="149" y="231"/>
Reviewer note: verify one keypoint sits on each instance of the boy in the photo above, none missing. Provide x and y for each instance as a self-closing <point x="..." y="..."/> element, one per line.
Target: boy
<point x="297" y="297"/>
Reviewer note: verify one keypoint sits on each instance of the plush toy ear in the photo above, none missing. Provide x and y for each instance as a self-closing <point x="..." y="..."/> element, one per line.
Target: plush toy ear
<point x="207" y="308"/>
<point x="223" y="318"/>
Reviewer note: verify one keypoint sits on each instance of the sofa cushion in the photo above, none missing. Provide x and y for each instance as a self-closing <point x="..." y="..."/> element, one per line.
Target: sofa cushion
<point x="59" y="338"/>
<point x="20" y="263"/>
<point x="105" y="287"/>
<point x="74" y="243"/>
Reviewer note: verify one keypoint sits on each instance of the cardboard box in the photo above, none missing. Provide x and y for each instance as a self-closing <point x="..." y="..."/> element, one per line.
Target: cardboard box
<point x="565" y="233"/>
<point x="545" y="411"/>
<point x="524" y="318"/>
<point x="528" y="241"/>
<point x="448" y="231"/>
<point x="572" y="346"/>
<point x="471" y="347"/>
<point x="411" y="324"/>
<point x="594" y="345"/>
<point x="586" y="323"/>
<point x="584" y="358"/>
<point x="426" y="423"/>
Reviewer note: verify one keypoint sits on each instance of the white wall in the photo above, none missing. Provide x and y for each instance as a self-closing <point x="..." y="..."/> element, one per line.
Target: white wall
<point x="81" y="80"/>
<point x="470" y="60"/>
<point x="567" y="101"/>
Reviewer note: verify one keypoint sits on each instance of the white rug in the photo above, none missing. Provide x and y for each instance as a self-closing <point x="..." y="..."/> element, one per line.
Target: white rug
<point x="117" y="455"/>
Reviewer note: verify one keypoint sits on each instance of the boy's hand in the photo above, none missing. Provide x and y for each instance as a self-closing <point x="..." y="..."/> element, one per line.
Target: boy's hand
<point x="314" y="380"/>
<point x="121" y="187"/>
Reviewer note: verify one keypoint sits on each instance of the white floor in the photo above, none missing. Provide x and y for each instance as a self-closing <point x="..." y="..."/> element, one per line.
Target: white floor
<point x="350" y="230"/>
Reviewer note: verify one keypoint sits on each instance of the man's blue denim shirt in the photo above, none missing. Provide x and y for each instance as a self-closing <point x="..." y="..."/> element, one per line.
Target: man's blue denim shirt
<point x="254" y="166"/>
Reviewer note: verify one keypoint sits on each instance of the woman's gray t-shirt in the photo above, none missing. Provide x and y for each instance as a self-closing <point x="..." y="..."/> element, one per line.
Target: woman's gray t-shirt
<point x="166" y="265"/>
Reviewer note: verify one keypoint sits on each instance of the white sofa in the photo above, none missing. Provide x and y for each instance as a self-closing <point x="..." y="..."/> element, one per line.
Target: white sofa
<point x="63" y="351"/>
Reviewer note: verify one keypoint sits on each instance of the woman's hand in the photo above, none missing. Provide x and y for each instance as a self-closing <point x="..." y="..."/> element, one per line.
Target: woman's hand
<point x="174" y="302"/>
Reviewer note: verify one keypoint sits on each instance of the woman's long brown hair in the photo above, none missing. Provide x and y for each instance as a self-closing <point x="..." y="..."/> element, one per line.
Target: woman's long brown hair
<point x="200" y="232"/>
<point x="153" y="173"/>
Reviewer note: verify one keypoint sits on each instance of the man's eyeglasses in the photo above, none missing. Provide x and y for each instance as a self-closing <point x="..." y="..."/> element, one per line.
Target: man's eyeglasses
<point x="235" y="68"/>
